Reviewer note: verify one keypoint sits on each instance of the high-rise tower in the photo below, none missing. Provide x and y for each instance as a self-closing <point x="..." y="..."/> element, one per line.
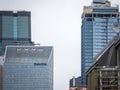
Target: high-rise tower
<point x="26" y="66"/>
<point x="15" y="28"/>
<point x="96" y="30"/>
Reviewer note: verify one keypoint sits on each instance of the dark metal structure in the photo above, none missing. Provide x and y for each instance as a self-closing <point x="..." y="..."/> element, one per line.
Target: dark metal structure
<point x="105" y="71"/>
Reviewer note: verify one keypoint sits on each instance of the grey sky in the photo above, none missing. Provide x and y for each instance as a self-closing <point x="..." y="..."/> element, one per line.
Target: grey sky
<point x="56" y="23"/>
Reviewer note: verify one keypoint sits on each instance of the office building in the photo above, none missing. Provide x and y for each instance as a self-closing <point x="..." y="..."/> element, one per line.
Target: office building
<point x="96" y="31"/>
<point x="25" y="66"/>
<point x="15" y="28"/>
<point x="104" y="74"/>
<point x="75" y="83"/>
<point x="28" y="68"/>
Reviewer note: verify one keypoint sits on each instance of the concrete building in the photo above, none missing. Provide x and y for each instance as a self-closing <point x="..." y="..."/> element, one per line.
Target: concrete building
<point x="28" y="68"/>
<point x="96" y="30"/>
<point x="105" y="71"/>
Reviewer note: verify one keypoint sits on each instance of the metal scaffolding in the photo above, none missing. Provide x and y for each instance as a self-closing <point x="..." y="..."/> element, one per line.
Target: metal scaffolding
<point x="104" y="78"/>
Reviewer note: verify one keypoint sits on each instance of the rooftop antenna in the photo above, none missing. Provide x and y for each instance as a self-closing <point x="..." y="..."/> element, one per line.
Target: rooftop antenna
<point x="73" y="81"/>
<point x="116" y="28"/>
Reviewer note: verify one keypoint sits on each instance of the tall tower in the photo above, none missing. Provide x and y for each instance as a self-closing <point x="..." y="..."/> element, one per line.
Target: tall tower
<point x="26" y="66"/>
<point x="96" y="30"/>
<point x="15" y="28"/>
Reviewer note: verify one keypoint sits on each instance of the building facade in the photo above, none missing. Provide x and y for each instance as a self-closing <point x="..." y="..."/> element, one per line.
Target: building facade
<point x="75" y="83"/>
<point x="28" y="68"/>
<point x="15" y="28"/>
<point x="1" y="78"/>
<point x="96" y="31"/>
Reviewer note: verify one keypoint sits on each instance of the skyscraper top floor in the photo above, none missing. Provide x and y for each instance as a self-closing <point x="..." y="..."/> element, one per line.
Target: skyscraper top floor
<point x="101" y="6"/>
<point x="15" y="25"/>
<point x="15" y="12"/>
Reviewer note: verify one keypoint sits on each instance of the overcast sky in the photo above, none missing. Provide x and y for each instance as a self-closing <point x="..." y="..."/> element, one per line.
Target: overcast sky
<point x="56" y="23"/>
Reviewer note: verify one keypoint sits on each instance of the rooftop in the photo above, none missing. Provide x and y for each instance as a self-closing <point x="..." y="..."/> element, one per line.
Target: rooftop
<point x="29" y="52"/>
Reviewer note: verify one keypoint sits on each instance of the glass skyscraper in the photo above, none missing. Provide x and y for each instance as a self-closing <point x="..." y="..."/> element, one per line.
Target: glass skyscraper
<point x="28" y="68"/>
<point x="25" y="66"/>
<point x="96" y="31"/>
<point x="15" y="28"/>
